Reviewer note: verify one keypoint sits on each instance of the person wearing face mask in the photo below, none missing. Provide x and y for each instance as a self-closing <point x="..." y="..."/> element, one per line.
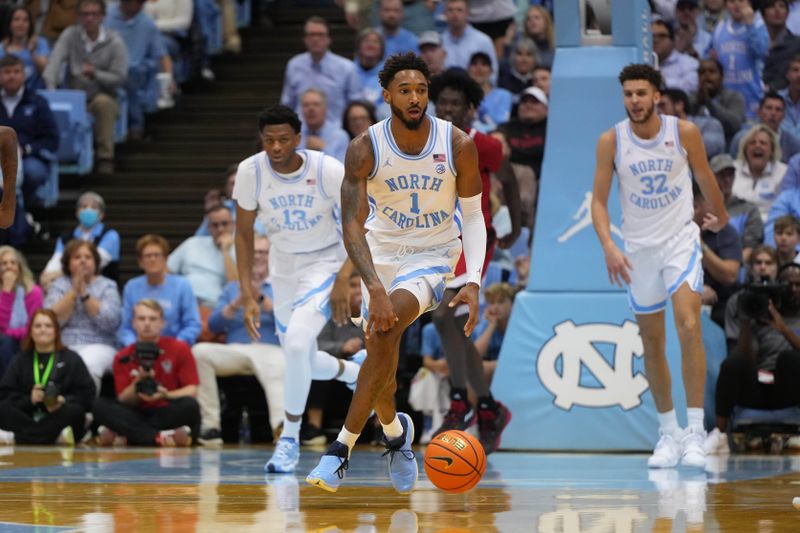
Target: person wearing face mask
<point x="90" y="211"/>
<point x="762" y="370"/>
<point x="20" y="297"/>
<point x="47" y="391"/>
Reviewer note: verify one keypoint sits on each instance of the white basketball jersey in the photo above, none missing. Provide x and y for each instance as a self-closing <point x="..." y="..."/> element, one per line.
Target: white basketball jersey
<point x="413" y="199"/>
<point x="300" y="211"/>
<point x="655" y="184"/>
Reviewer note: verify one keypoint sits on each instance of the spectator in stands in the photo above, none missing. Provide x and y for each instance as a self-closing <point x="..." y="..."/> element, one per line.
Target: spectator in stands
<point x="164" y="413"/>
<point x="690" y="37"/>
<point x="784" y="45"/>
<point x="146" y="52"/>
<point x="743" y="216"/>
<point x="219" y="196"/>
<point x="675" y="102"/>
<point x="678" y="69"/>
<point x="358" y="117"/>
<point x="52" y="17"/>
<point x="20" y="297"/>
<point x="231" y="41"/>
<point x="494" y="18"/>
<point x="432" y="52"/>
<point x="241" y="354"/>
<point x="791" y="95"/>
<point x="539" y="28"/>
<point x="490" y="331"/>
<point x="318" y="132"/>
<point x="742" y="43"/>
<point x="460" y="40"/>
<point x="726" y="105"/>
<point x="30" y="116"/>
<point x="763" y="365"/>
<point x="90" y="211"/>
<point x="369" y="62"/>
<point x="333" y="75"/>
<point x="173" y="18"/>
<point x="787" y="237"/>
<point x="21" y="41"/>
<point x="525" y="133"/>
<point x="495" y="109"/>
<point x="712" y="13"/>
<point x="516" y="74"/>
<point x="759" y="171"/>
<point x="396" y="37"/>
<point x="47" y="391"/>
<point x="87" y="306"/>
<point x="97" y="63"/>
<point x="343" y="342"/>
<point x="542" y="78"/>
<point x="207" y="261"/>
<point x="722" y="258"/>
<point x="172" y="292"/>
<point x="770" y="112"/>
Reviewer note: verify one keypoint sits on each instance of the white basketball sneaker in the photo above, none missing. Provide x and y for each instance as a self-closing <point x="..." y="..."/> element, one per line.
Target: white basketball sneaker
<point x="667" y="452"/>
<point x="692" y="451"/>
<point x="716" y="443"/>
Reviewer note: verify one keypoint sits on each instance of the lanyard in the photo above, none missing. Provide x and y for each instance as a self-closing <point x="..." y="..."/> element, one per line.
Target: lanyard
<point x="47" y="370"/>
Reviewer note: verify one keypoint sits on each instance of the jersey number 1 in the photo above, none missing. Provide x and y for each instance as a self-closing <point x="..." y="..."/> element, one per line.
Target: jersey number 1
<point x="415" y="203"/>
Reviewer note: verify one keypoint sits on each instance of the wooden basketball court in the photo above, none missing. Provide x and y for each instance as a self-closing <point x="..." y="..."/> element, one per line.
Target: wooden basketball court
<point x="45" y="489"/>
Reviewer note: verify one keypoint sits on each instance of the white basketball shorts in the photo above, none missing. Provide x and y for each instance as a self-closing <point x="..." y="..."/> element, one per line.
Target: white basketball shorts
<point x="659" y="271"/>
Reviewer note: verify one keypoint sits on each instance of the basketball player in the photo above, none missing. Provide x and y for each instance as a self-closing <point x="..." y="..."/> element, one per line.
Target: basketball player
<point x="296" y="195"/>
<point x="405" y="180"/>
<point x="8" y="164"/>
<point x="457" y="97"/>
<point x="654" y="157"/>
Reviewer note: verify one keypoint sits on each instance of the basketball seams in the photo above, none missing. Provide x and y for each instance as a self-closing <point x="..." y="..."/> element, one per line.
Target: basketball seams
<point x="457" y="454"/>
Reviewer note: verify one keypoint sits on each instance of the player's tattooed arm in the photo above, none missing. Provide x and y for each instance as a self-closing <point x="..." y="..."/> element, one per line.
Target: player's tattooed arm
<point x="358" y="165"/>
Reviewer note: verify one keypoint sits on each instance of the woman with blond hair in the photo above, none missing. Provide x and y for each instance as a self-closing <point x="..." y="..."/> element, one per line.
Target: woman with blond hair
<point x="20" y="297"/>
<point x="539" y="27"/>
<point x="759" y="170"/>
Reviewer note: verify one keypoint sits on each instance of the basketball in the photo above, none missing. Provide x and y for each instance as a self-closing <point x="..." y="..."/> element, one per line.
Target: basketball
<point x="455" y="461"/>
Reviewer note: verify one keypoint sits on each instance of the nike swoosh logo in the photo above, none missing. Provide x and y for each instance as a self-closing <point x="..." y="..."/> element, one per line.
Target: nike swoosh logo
<point x="448" y="460"/>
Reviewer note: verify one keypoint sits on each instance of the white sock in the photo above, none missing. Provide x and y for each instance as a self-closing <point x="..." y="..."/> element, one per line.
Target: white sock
<point x="393" y="429"/>
<point x="291" y="429"/>
<point x="694" y="418"/>
<point x="6" y="437"/>
<point x="348" y="439"/>
<point x="668" y="422"/>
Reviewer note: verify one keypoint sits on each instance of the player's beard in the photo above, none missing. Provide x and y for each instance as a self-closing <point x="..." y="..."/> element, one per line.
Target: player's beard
<point x="647" y="114"/>
<point x="410" y="124"/>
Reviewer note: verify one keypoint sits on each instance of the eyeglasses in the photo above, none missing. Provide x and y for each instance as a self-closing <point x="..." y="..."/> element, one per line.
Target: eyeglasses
<point x="657" y="36"/>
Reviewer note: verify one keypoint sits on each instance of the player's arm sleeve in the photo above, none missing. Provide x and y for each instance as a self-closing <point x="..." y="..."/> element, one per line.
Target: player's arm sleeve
<point x="473" y="236"/>
<point x="247" y="185"/>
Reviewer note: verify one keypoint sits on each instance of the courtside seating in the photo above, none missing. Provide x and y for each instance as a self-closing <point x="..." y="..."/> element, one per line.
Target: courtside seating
<point x="772" y="426"/>
<point x="76" y="147"/>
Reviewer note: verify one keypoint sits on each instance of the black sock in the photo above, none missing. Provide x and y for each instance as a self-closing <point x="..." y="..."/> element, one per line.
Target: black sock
<point x="457" y="394"/>
<point x="487" y="402"/>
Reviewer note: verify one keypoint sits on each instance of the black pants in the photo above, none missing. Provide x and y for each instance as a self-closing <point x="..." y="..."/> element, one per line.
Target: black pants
<point x="738" y="384"/>
<point x="141" y="426"/>
<point x="46" y="430"/>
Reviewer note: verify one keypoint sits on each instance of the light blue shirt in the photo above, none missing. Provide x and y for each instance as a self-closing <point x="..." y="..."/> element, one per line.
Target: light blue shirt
<point x="460" y="50"/>
<point x="431" y="342"/>
<point x="109" y="243"/>
<point x="373" y="92"/>
<point x="234" y="329"/>
<point x="401" y="42"/>
<point x="141" y="36"/>
<point x="200" y="261"/>
<point x="712" y="131"/>
<point x="791" y="119"/>
<point x="787" y="203"/>
<point x="680" y="72"/>
<point x="175" y="295"/>
<point x="334" y="75"/>
<point x="495" y="109"/>
<point x="335" y="138"/>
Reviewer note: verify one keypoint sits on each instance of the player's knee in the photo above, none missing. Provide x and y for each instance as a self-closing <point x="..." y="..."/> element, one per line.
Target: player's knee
<point x="688" y="326"/>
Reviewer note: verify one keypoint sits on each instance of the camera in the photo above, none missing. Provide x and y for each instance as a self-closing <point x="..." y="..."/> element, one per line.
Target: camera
<point x="755" y="298"/>
<point x="51" y="393"/>
<point x="147" y="353"/>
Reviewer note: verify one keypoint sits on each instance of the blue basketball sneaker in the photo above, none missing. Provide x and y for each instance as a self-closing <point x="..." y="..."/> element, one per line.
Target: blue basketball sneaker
<point x="284" y="458"/>
<point x="358" y="358"/>
<point x="330" y="471"/>
<point x="403" y="468"/>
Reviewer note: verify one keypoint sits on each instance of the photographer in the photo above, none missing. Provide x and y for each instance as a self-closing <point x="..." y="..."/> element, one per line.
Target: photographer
<point x="762" y="370"/>
<point x="156" y="382"/>
<point x="47" y="391"/>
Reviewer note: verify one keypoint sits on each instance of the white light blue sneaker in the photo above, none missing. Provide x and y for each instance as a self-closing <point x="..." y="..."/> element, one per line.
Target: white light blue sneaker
<point x="284" y="458"/>
<point x="403" y="468"/>
<point x="330" y="471"/>
<point x="358" y="358"/>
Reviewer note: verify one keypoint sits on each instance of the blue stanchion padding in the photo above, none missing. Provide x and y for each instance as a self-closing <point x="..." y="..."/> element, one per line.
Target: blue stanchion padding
<point x="572" y="372"/>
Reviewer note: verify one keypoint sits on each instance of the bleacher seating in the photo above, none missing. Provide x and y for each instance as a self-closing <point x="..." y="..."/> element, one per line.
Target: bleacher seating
<point x="76" y="146"/>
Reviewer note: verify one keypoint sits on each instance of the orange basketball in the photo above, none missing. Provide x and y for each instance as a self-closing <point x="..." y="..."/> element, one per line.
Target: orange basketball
<point x="455" y="461"/>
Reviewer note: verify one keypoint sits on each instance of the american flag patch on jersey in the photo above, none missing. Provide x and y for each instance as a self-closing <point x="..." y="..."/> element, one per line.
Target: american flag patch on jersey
<point x="311" y="181"/>
<point x="439" y="158"/>
<point x="669" y="144"/>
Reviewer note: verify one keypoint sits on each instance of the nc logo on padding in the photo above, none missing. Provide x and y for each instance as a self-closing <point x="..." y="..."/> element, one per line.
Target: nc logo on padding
<point x="575" y="347"/>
